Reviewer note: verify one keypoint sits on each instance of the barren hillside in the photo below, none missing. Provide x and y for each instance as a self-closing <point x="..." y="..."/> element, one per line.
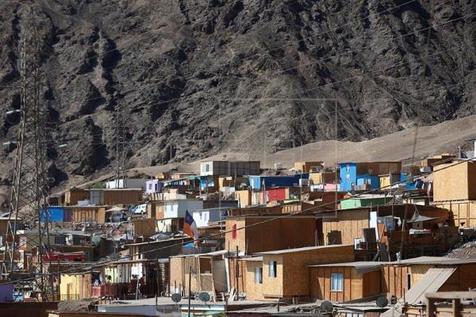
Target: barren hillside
<point x="198" y="77"/>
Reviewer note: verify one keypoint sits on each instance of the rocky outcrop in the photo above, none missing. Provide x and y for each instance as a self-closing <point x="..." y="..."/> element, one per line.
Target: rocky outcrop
<point x="195" y="77"/>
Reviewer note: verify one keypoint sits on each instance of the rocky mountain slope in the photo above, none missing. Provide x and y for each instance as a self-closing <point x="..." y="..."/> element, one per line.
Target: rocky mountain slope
<point x="195" y="77"/>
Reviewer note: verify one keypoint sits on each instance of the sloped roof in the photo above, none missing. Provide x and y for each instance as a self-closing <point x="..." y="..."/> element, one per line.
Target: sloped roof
<point x="431" y="282"/>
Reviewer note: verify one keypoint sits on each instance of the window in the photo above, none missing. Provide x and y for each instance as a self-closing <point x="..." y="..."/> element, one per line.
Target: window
<point x="259" y="275"/>
<point x="337" y="282"/>
<point x="272" y="268"/>
<point x="207" y="167"/>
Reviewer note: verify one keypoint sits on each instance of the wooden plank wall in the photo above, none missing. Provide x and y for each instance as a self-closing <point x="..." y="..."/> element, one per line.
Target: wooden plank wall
<point x="321" y="284"/>
<point x="253" y="290"/>
<point x="394" y="280"/>
<point x="463" y="211"/>
<point x="237" y="269"/>
<point x="177" y="274"/>
<point x="273" y="286"/>
<point x="463" y="279"/>
<point x="348" y="223"/>
<point x="144" y="227"/>
<point x="296" y="278"/>
<point x="279" y="234"/>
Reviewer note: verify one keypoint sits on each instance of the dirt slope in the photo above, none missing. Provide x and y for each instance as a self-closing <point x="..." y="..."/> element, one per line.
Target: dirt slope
<point x="198" y="77"/>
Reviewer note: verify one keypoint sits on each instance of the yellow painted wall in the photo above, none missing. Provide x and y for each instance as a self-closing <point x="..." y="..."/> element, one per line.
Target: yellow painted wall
<point x="243" y="197"/>
<point x="74" y="287"/>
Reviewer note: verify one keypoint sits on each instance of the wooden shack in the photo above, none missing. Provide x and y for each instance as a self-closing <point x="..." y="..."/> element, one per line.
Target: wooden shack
<point x="157" y="249"/>
<point x="144" y="227"/>
<point x="343" y="282"/>
<point x="265" y="233"/>
<point x="120" y="196"/>
<point x="442" y="304"/>
<point x="86" y="214"/>
<point x="464" y="211"/>
<point x="285" y="273"/>
<point x="207" y="272"/>
<point x="75" y="286"/>
<point x="409" y="229"/>
<point x="74" y="195"/>
<point x="400" y="277"/>
<point x="454" y="181"/>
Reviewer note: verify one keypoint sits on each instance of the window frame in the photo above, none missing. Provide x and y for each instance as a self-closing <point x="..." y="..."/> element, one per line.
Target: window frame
<point x="259" y="275"/>
<point x="337" y="284"/>
<point x="274" y="270"/>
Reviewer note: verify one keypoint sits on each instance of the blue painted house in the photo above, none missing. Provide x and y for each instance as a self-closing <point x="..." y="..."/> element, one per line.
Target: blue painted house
<point x="354" y="176"/>
<point x="53" y="214"/>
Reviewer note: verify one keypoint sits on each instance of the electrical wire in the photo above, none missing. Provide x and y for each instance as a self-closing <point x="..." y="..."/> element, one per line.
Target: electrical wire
<point x="100" y="264"/>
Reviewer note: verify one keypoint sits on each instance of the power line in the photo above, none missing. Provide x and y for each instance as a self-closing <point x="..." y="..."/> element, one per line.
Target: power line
<point x="317" y="209"/>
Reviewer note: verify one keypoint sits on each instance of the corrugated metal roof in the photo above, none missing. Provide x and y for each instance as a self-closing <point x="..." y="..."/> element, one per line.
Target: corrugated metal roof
<point x="431" y="282"/>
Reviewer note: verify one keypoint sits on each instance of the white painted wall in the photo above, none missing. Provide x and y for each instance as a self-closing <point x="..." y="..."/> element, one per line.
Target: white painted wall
<point x="129" y="183"/>
<point x="177" y="208"/>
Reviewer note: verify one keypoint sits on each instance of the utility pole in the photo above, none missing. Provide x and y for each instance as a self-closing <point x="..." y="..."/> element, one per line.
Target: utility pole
<point x="189" y="292"/>
<point x="29" y="192"/>
<point x="120" y="146"/>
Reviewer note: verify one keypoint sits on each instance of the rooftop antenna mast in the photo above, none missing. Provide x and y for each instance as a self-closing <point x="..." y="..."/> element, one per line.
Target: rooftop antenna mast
<point x="29" y="192"/>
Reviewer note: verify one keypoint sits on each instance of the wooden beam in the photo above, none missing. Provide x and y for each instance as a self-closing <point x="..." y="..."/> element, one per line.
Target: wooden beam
<point x="451" y="295"/>
<point x="430" y="308"/>
<point x="456" y="307"/>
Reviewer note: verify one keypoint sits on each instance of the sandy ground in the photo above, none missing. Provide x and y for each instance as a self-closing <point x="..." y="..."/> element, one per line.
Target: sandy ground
<point x="430" y="140"/>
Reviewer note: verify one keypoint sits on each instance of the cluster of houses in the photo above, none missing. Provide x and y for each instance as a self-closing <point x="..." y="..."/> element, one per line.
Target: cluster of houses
<point x="370" y="238"/>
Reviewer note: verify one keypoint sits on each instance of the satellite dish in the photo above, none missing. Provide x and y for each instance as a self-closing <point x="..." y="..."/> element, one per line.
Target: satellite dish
<point x="382" y="301"/>
<point x="204" y="297"/>
<point x="176" y="297"/>
<point x="327" y="306"/>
